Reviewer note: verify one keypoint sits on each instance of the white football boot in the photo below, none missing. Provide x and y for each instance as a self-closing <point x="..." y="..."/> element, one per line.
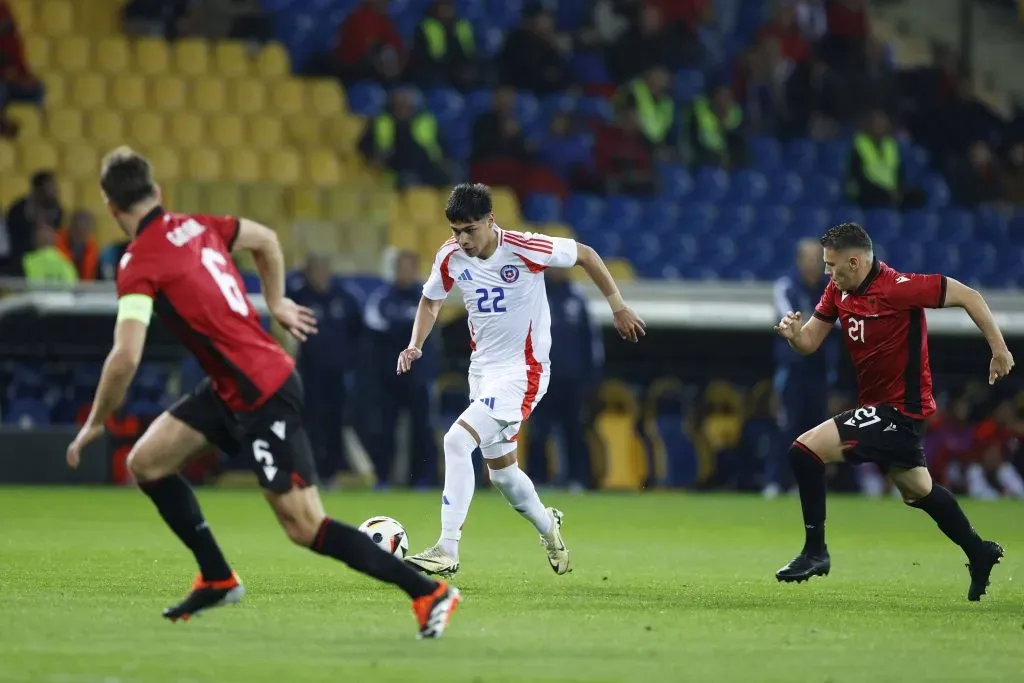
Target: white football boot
<point x="558" y="554"/>
<point x="435" y="562"/>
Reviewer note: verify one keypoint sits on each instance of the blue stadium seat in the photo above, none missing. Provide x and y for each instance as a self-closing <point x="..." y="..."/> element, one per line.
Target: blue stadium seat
<point x="675" y="181"/>
<point x="810" y="221"/>
<point x="491" y="39"/>
<point x="734" y="221"/>
<point x="150" y="383"/>
<point x="921" y="225"/>
<point x="542" y="208"/>
<point x="527" y="108"/>
<point x="833" y="157"/>
<point x="937" y="190"/>
<point x="821" y="190"/>
<point x="903" y="255"/>
<point x="882" y="224"/>
<point x="660" y="217"/>
<point x="583" y="212"/>
<point x="847" y="214"/>
<point x="980" y="260"/>
<point x="622" y="214"/>
<point x="747" y="187"/>
<point x="477" y="102"/>
<point x="915" y="163"/>
<point x="445" y="104"/>
<point x="711" y="186"/>
<point x="689" y="85"/>
<point x="799" y="155"/>
<point x="595" y="108"/>
<point x="27" y="413"/>
<point x="696" y="219"/>
<point x="991" y="224"/>
<point x="766" y="153"/>
<point x="606" y="243"/>
<point x="774" y="221"/>
<point x="785" y="188"/>
<point x="956" y="225"/>
<point x="366" y="99"/>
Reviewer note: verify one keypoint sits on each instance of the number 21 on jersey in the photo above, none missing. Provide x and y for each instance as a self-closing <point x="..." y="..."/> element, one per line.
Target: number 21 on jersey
<point x="856" y="329"/>
<point x="217" y="265"/>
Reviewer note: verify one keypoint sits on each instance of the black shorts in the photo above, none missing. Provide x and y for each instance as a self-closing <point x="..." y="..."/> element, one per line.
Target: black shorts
<point x="882" y="435"/>
<point x="272" y="437"/>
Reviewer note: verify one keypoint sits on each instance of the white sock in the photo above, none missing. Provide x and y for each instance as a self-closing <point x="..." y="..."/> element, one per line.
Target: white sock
<point x="1009" y="479"/>
<point x="520" y="493"/>
<point x="977" y="484"/>
<point x="459" y="481"/>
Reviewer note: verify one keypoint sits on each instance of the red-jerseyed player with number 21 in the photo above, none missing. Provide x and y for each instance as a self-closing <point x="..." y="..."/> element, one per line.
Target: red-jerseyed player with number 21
<point x="881" y="312"/>
<point x="251" y="403"/>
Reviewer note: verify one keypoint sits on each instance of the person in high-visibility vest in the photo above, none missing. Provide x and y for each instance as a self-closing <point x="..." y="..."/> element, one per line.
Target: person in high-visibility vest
<point x="403" y="142"/>
<point x="715" y="126"/>
<point x="444" y="49"/>
<point x="655" y="109"/>
<point x="875" y="164"/>
<point x="46" y="265"/>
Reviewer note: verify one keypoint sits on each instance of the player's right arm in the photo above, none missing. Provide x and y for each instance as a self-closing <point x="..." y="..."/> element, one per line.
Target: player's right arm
<point x="435" y="291"/>
<point x="806" y="338"/>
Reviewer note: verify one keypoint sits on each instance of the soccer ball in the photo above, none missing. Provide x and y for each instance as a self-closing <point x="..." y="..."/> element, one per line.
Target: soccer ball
<point x="388" y="534"/>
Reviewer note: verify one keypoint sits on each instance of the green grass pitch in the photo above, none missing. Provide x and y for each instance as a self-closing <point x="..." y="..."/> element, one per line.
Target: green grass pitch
<point x="666" y="587"/>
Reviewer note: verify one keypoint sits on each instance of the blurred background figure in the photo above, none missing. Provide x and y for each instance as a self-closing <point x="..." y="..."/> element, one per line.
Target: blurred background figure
<point x="390" y="312"/>
<point x="577" y="359"/>
<point x="444" y="49"/>
<point x="46" y="265"/>
<point x="78" y="243"/>
<point x="325" y="361"/>
<point x="404" y="142"/>
<point x="41" y="204"/>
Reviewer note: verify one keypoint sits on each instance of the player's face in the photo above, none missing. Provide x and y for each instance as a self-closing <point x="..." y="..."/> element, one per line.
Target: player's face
<point x="475" y="238"/>
<point x="841" y="266"/>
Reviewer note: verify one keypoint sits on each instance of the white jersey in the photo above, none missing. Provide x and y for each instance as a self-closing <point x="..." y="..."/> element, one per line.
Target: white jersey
<point x="509" y="318"/>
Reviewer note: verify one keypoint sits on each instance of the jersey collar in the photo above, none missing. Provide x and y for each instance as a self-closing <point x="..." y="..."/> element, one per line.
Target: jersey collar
<point x="149" y="218"/>
<point x="872" y="274"/>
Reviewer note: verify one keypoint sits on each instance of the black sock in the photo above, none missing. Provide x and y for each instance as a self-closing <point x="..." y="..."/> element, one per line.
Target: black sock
<point x="809" y="473"/>
<point x="941" y="505"/>
<point x="355" y="549"/>
<point x="177" y="504"/>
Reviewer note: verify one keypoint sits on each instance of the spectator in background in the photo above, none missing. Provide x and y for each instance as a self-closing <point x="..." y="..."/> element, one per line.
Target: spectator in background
<point x="624" y="159"/>
<point x="760" y="441"/>
<point x="535" y="57"/>
<point x="812" y="18"/>
<point x="651" y="97"/>
<point x="41" y="205"/>
<point x="1013" y="176"/>
<point x="978" y="179"/>
<point x="78" y="243"/>
<point x="765" y="92"/>
<point x="715" y="130"/>
<point x="444" y="49"/>
<point x="576" y="364"/>
<point x="46" y="264"/>
<point x="405" y="143"/>
<point x="326" y="359"/>
<point x="949" y="442"/>
<point x="154" y="17"/>
<point x="390" y="312"/>
<point x="648" y="44"/>
<point x="875" y="85"/>
<point x="110" y="258"/>
<point x="802" y="383"/>
<point x="218" y="19"/>
<point x="991" y="472"/>
<point x="369" y="45"/>
<point x="609" y="21"/>
<point x="784" y="28"/>
<point x="876" y="168"/>
<point x="848" y="28"/>
<point x="566" y="152"/>
<point x="17" y="82"/>
<point x="815" y="98"/>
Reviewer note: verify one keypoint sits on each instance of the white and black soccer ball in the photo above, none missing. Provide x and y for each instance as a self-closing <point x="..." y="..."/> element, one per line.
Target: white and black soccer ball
<point x="388" y="534"/>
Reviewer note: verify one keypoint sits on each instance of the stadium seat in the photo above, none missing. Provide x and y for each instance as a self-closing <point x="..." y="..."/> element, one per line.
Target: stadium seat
<point x="204" y="164"/>
<point x="991" y="224"/>
<point x="209" y="95"/>
<point x="711" y="186"/>
<point x="64" y="125"/>
<point x="305" y="203"/>
<point x="849" y="214"/>
<point x="423" y="205"/>
<point x="404" y="235"/>
<point x="56" y="86"/>
<point x="244" y="165"/>
<point x="166" y="163"/>
<point x="445" y="104"/>
<point x="675" y="181"/>
<point x="147" y="129"/>
<point x="799" y="155"/>
<point x="785" y="188"/>
<point x="322" y="168"/>
<point x="264" y="202"/>
<point x="188" y="130"/>
<point x="937" y="190"/>
<point x="27" y="414"/>
<point x="56" y="18"/>
<point x="539" y="208"/>
<point x="273" y="61"/>
<point x="265" y="132"/>
<point x="284" y="166"/>
<point x="223" y="199"/>
<point x="326" y="98"/>
<point x="506" y="207"/>
<point x="956" y="226"/>
<point x="89" y="91"/>
<point x="303" y="132"/>
<point x="129" y="92"/>
<point x="227" y="131"/>
<point x="921" y="226"/>
<point x="36" y="154"/>
<point x="152" y="56"/>
<point x="247" y="96"/>
<point x="113" y="56"/>
<point x="28" y="118"/>
<point x="287" y="97"/>
<point x="366" y="99"/>
<point x="821" y="190"/>
<point x="80" y="161"/>
<point x="882" y="224"/>
<point x="168" y="93"/>
<point x="689" y="84"/>
<point x="8" y="161"/>
<point x="191" y="56"/>
<point x="343" y="133"/>
<point x="231" y="59"/>
<point x="775" y="221"/>
<point x="38" y="51"/>
<point x="72" y="55"/>
<point x="766" y="153"/>
<point x="622" y="215"/>
<point x="747" y="187"/>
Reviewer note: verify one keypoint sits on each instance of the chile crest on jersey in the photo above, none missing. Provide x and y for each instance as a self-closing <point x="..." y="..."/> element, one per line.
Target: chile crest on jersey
<point x="509" y="273"/>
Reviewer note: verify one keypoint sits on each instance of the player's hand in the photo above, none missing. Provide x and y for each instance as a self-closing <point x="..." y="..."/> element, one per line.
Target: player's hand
<point x="789" y="327"/>
<point x="406" y="359"/>
<point x="1002" y="363"/>
<point x="629" y="325"/>
<point x="86" y="435"/>
<point x="298" y="320"/>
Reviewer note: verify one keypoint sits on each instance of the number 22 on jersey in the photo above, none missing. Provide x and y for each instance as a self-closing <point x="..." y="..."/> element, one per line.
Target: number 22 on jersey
<point x="217" y="266"/>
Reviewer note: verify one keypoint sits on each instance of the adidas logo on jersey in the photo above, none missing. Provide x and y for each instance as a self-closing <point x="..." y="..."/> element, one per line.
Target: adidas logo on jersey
<point x="465" y="276"/>
<point x="489" y="402"/>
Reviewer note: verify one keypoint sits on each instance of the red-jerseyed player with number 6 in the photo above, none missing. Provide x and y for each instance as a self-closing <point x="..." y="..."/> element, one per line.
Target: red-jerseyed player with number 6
<point x="881" y="312"/>
<point x="251" y="402"/>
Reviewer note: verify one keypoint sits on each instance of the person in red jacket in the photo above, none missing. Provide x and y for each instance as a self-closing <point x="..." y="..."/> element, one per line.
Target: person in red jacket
<point x="369" y="45"/>
<point x="78" y="243"/>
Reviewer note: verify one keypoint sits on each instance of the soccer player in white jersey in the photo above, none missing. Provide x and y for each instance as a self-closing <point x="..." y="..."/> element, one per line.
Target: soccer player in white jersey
<point x="499" y="274"/>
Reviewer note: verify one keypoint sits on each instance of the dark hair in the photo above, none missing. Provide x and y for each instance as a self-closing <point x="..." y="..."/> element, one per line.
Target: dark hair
<point x="41" y="178"/>
<point x="126" y="178"/>
<point x="468" y="203"/>
<point x="846" y="236"/>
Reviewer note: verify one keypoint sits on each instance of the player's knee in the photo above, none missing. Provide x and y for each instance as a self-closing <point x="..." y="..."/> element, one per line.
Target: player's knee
<point x="301" y="529"/>
<point x="458" y="441"/>
<point x="143" y="467"/>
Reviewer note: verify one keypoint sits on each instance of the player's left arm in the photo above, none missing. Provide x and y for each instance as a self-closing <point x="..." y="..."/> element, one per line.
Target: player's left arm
<point x="959" y="295"/>
<point x="627" y="323"/>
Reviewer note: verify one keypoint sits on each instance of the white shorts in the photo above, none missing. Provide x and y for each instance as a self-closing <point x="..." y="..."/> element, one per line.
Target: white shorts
<point x="499" y="405"/>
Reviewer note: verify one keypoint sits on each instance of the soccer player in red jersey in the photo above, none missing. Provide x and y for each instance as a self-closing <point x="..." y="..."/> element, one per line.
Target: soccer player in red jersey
<point x="881" y="312"/>
<point x="251" y="403"/>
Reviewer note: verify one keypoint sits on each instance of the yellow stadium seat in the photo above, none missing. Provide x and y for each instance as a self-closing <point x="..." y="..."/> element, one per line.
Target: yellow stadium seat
<point x="28" y="117"/>
<point x="67" y="190"/>
<point x="152" y="56"/>
<point x="404" y="235"/>
<point x="264" y="202"/>
<point x="231" y="59"/>
<point x="80" y="161"/>
<point x="506" y="207"/>
<point x="344" y="132"/>
<point x="37" y="51"/>
<point x="56" y="89"/>
<point x="422" y="205"/>
<point x="168" y="93"/>
<point x="13" y="188"/>
<point x="129" y="92"/>
<point x="248" y="96"/>
<point x="189" y="196"/>
<point x="187" y="130"/>
<point x="265" y="132"/>
<point x="621" y="270"/>
<point x="64" y="125"/>
<point x="146" y="128"/>
<point x="339" y="204"/>
<point x="204" y="164"/>
<point x="273" y="61"/>
<point x="105" y="128"/>
<point x="166" y="163"/>
<point x="8" y="162"/>
<point x="555" y="230"/>
<point x="223" y="199"/>
<point x="72" y="55"/>
<point x="305" y="203"/>
<point x="56" y="18"/>
<point x="87" y="194"/>
<point x="89" y="91"/>
<point x="208" y="95"/>
<point x="244" y="165"/>
<point x="304" y="132"/>
<point x="284" y="166"/>
<point x="227" y="131"/>
<point x="287" y="97"/>
<point x="326" y="98"/>
<point x="24" y="17"/>
<point x="114" y="56"/>
<point x="192" y="57"/>
<point x="322" y="168"/>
